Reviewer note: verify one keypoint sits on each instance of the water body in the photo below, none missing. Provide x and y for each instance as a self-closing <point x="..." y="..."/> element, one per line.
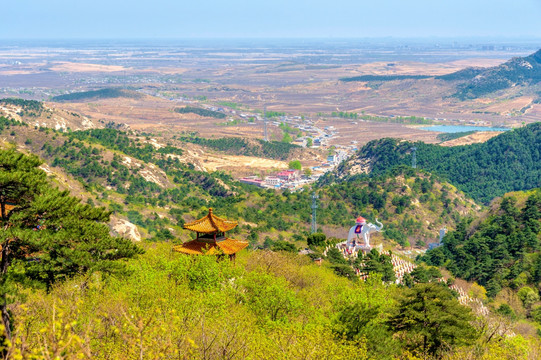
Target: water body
<point x="461" y="128"/>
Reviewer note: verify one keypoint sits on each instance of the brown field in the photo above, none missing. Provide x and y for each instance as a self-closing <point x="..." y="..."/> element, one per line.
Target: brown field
<point x="238" y="164"/>
<point x="156" y="115"/>
<point x="81" y="67"/>
<point x="509" y="106"/>
<point x="279" y="83"/>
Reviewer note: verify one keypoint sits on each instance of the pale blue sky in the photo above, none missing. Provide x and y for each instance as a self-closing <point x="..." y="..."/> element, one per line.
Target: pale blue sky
<point x="270" y="18"/>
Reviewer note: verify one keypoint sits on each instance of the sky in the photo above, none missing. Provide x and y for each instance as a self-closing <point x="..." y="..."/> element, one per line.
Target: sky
<point x="179" y="19"/>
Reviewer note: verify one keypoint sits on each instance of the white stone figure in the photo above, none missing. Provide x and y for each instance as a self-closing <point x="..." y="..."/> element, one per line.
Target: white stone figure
<point x="359" y="235"/>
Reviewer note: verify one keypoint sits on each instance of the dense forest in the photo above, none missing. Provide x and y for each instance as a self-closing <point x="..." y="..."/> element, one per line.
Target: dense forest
<point x="501" y="251"/>
<point x="508" y="162"/>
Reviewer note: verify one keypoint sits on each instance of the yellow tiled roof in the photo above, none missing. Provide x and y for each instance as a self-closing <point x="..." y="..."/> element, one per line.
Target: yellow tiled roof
<point x="199" y="247"/>
<point x="211" y="224"/>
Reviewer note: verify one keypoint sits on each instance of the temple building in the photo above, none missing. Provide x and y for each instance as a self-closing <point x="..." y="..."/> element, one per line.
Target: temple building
<point x="211" y="239"/>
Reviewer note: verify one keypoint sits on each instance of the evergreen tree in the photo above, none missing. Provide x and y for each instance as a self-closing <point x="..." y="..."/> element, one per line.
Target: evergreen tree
<point x="48" y="236"/>
<point x="428" y="317"/>
<point x="379" y="263"/>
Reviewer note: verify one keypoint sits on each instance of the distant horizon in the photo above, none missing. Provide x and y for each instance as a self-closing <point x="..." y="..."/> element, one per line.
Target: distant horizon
<point x="426" y="39"/>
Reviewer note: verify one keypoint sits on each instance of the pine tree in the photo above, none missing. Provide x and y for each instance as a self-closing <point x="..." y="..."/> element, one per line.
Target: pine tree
<point x="47" y="235"/>
<point x="430" y="318"/>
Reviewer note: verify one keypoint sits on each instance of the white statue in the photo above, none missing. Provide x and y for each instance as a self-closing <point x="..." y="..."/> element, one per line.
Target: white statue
<point x="362" y="230"/>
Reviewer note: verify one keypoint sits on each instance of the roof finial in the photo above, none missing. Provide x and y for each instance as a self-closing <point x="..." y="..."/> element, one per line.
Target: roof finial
<point x="210" y="210"/>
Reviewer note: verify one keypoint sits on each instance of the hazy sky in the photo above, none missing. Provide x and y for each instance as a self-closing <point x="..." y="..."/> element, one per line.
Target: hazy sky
<point x="268" y="18"/>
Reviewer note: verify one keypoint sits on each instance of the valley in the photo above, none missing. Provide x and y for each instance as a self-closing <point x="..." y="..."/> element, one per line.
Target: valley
<point x="107" y="152"/>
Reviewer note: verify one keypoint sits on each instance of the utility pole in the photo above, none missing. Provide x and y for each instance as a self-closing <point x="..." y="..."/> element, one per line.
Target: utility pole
<point x="265" y="134"/>
<point x="414" y="157"/>
<point x="314" y="207"/>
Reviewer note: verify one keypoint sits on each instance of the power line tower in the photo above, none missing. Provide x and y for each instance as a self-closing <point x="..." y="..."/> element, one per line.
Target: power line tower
<point x="414" y="157"/>
<point x="314" y="207"/>
<point x="265" y="134"/>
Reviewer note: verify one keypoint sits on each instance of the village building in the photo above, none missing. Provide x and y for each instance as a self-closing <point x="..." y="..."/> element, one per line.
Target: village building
<point x="273" y="181"/>
<point x="211" y="238"/>
<point x="288" y="175"/>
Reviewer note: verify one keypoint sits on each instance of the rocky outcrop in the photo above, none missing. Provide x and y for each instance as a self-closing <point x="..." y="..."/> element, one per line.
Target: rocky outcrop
<point x="124" y="228"/>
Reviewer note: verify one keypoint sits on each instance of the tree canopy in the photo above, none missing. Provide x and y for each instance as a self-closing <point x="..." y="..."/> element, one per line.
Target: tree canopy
<point x="493" y="253"/>
<point x="48" y="235"/>
<point x="429" y="319"/>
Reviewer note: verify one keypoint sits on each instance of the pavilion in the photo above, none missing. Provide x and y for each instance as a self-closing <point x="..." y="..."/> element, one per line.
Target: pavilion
<point x="211" y="239"/>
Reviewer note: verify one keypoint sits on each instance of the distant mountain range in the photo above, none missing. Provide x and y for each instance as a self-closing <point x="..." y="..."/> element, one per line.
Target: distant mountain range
<point x="482" y="81"/>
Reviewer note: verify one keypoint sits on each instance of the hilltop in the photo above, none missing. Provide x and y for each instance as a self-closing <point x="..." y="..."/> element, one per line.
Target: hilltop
<point x="508" y="162"/>
<point x="483" y="81"/>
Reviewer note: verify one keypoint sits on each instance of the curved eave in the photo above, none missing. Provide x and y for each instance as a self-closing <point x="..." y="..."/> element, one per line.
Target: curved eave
<point x="197" y="247"/>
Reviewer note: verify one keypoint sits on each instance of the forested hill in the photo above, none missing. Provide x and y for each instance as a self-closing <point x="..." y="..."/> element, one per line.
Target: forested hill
<point x="517" y="71"/>
<point x="508" y="162"/>
<point x="501" y="251"/>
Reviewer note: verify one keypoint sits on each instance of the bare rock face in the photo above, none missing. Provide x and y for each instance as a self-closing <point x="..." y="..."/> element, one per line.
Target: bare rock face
<point x="125" y="229"/>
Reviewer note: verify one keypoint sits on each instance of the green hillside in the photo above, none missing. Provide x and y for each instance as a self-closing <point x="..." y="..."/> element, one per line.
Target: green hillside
<point x="508" y="162"/>
<point x="500" y="251"/>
